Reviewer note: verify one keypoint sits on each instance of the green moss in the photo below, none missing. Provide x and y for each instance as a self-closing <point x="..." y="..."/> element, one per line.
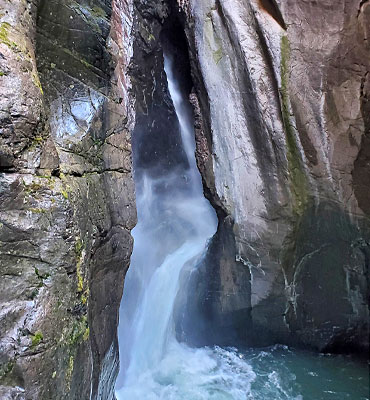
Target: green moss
<point x="66" y="187"/>
<point x="36" y="339"/>
<point x="98" y="12"/>
<point x="296" y="170"/>
<point x="86" y="334"/>
<point x="69" y="371"/>
<point x="85" y="63"/>
<point x="33" y="294"/>
<point x="50" y="182"/>
<point x="80" y="331"/>
<point x="78" y="247"/>
<point x="4" y="36"/>
<point x="80" y="282"/>
<point x="2" y="73"/>
<point x="97" y="142"/>
<point x="89" y="15"/>
<point x="36" y="81"/>
<point x="71" y="364"/>
<point x="81" y="60"/>
<point x="217" y="55"/>
<point x="85" y="297"/>
<point x="6" y="369"/>
<point x="64" y="193"/>
<point x="40" y="276"/>
<point x="32" y="188"/>
<point x="78" y="250"/>
<point x="38" y="139"/>
<point x="37" y="210"/>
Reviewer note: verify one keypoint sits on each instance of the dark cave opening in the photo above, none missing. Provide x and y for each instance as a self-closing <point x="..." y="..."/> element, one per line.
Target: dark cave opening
<point x="155" y="148"/>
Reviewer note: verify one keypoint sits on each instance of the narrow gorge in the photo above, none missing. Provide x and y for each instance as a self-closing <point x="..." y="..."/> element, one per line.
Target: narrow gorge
<point x="184" y="199"/>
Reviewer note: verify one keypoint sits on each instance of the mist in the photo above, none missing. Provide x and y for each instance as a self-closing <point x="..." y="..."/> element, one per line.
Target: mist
<point x="175" y="222"/>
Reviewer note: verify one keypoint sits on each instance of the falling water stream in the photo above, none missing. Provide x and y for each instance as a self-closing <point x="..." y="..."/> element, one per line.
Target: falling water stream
<point x="175" y="223"/>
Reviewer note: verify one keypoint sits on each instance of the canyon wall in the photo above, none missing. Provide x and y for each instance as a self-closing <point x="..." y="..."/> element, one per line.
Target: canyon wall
<point x="67" y="202"/>
<point x="280" y="96"/>
<point x="283" y="146"/>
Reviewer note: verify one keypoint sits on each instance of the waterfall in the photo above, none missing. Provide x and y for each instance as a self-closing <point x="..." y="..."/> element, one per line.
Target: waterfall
<point x="175" y="222"/>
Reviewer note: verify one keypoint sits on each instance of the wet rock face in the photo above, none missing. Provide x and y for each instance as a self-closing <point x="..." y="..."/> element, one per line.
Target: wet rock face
<point x="219" y="312"/>
<point x="21" y="99"/>
<point x="154" y="152"/>
<point x="282" y="131"/>
<point x="66" y="195"/>
<point x="283" y="153"/>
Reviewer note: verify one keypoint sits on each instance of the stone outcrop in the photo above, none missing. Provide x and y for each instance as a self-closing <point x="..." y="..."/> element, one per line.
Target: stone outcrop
<point x="66" y="195"/>
<point x="282" y="93"/>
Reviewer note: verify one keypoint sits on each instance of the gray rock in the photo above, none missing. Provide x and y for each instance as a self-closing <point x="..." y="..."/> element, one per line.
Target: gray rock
<point x="282" y="128"/>
<point x="283" y="154"/>
<point x="67" y="202"/>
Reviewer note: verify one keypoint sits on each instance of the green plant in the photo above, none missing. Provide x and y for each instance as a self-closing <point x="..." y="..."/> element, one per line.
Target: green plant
<point x="36" y="339"/>
<point x="4" y="36"/>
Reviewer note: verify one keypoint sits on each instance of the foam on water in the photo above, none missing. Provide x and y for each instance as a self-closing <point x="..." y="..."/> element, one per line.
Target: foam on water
<point x="193" y="374"/>
<point x="275" y="373"/>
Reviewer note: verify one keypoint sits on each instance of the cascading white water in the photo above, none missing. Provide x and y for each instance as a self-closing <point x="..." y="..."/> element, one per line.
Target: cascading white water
<point x="175" y="222"/>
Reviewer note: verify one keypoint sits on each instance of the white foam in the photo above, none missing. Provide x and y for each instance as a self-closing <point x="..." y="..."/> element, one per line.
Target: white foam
<point x="175" y="222"/>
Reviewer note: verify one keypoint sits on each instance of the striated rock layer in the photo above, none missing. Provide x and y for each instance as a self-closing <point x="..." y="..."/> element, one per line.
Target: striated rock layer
<point x="283" y="147"/>
<point x="66" y="195"/>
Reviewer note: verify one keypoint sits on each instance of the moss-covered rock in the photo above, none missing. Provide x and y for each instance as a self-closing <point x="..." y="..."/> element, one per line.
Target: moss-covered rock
<point x="64" y="158"/>
<point x="298" y="178"/>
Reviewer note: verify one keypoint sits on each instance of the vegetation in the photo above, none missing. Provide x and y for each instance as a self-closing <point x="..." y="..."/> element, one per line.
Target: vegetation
<point x="4" y="36"/>
<point x="80" y="331"/>
<point x="78" y="250"/>
<point x="36" y="339"/>
<point x="296" y="170"/>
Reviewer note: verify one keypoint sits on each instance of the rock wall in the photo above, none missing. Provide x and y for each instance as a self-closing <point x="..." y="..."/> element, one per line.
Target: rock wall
<point x="283" y="146"/>
<point x="282" y="128"/>
<point x="154" y="151"/>
<point x="66" y="195"/>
